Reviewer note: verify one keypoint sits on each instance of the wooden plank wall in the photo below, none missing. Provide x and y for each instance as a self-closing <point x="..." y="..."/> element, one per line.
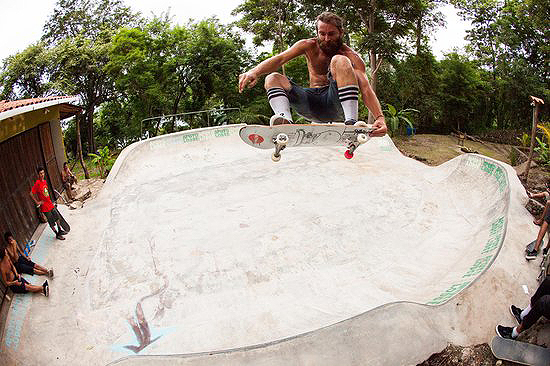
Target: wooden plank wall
<point x="19" y="158"/>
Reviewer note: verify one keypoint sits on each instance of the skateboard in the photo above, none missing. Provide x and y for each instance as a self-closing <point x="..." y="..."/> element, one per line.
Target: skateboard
<point x="280" y="137"/>
<point x="64" y="224"/>
<point x="520" y="352"/>
<point x="544" y="264"/>
<point x="530" y="246"/>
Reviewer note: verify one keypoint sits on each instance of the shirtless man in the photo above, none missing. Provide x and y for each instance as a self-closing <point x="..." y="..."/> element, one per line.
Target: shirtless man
<point x="336" y="75"/>
<point x="22" y="263"/>
<point x="14" y="281"/>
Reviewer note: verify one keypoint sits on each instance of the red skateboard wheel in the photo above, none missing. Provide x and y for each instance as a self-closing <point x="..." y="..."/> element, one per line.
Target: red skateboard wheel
<point x="348" y="154"/>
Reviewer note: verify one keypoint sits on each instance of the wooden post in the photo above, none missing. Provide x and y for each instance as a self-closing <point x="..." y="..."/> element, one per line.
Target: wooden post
<point x="535" y="102"/>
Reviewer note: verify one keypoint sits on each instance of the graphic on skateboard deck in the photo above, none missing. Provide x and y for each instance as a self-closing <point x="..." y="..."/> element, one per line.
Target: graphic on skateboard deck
<point x="520" y="352"/>
<point x="289" y="135"/>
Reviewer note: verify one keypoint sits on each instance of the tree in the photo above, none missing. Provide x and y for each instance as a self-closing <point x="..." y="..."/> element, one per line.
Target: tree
<point x="280" y="21"/>
<point x="511" y="39"/>
<point x="413" y="82"/>
<point x="164" y="69"/>
<point x="25" y="75"/>
<point x="90" y="19"/>
<point x="78" y="70"/>
<point x="79" y="32"/>
<point x="428" y="19"/>
<point x="378" y="28"/>
<point x="464" y="99"/>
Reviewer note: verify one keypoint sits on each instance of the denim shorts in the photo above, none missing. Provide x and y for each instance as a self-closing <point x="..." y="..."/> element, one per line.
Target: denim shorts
<point x="319" y="105"/>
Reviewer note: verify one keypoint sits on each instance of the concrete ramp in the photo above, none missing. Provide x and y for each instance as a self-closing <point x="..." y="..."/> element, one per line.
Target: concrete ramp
<point x="206" y="252"/>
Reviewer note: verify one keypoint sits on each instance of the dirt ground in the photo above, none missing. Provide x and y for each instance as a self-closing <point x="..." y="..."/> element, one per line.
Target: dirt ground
<point x="435" y="150"/>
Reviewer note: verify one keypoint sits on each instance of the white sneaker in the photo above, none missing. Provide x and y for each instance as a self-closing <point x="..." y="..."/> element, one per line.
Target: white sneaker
<point x="278" y="120"/>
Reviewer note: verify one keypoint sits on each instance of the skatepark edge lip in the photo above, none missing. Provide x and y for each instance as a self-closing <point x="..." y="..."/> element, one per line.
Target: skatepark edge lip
<point x="127" y="152"/>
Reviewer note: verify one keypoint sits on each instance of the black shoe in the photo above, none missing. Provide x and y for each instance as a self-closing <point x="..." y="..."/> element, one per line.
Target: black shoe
<point x="46" y="288"/>
<point x="516" y="312"/>
<point x="532" y="254"/>
<point x="350" y="122"/>
<point x="504" y="332"/>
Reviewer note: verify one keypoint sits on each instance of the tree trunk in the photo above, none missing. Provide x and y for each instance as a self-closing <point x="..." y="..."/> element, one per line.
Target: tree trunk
<point x="280" y="35"/>
<point x="90" y="119"/>
<point x="79" y="147"/>
<point x="418" y="34"/>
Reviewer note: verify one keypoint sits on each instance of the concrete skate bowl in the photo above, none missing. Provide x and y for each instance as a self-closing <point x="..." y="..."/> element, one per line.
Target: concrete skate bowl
<point x="234" y="259"/>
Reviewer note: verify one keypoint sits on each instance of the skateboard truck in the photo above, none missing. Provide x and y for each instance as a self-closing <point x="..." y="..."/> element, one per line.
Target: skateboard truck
<point x="360" y="138"/>
<point x="280" y="142"/>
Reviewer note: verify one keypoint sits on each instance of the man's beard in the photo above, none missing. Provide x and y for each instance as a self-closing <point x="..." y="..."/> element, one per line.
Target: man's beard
<point x="330" y="48"/>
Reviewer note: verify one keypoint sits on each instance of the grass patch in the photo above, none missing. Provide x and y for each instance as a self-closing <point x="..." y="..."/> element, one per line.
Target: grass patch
<point x="93" y="169"/>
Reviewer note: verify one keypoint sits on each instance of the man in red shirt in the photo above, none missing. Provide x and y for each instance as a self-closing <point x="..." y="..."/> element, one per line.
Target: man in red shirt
<point x="41" y="196"/>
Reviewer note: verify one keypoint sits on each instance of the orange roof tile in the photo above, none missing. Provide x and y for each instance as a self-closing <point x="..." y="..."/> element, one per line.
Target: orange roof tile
<point x="6" y="105"/>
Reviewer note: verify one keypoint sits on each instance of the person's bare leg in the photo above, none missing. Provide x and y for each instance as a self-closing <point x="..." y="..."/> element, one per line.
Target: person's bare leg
<point x="348" y="88"/>
<point x="35" y="288"/>
<point x="39" y="270"/>
<point x="277" y="86"/>
<point x="342" y="71"/>
<point x="541" y="234"/>
<point x="541" y="219"/>
<point x="276" y="80"/>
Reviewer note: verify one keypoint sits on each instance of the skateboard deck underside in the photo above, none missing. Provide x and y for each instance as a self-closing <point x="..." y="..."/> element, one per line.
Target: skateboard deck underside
<point x="520" y="352"/>
<point x="530" y="246"/>
<point x="64" y="224"/>
<point x="300" y="135"/>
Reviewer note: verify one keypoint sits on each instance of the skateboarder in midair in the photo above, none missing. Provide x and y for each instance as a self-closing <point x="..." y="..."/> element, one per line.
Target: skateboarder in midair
<point x="41" y="196"/>
<point x="336" y="76"/>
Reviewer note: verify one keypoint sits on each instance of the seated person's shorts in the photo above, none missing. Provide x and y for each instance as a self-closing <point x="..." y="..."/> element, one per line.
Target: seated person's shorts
<point x="23" y="265"/>
<point x="19" y="289"/>
<point x="317" y="104"/>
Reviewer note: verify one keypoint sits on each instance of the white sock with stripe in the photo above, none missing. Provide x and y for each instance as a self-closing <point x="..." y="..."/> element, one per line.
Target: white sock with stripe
<point x="349" y="96"/>
<point x="278" y="100"/>
<point x="525" y="311"/>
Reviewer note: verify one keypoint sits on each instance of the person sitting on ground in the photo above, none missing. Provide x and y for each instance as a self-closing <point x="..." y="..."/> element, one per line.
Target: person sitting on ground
<point x="13" y="279"/>
<point x="22" y="263"/>
<point x="41" y="196"/>
<point x="546" y="195"/>
<point x="68" y="179"/>
<point x="539" y="306"/>
<point x="532" y="254"/>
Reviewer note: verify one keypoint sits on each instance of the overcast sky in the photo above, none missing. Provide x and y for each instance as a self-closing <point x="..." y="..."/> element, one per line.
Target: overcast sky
<point x="21" y="22"/>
